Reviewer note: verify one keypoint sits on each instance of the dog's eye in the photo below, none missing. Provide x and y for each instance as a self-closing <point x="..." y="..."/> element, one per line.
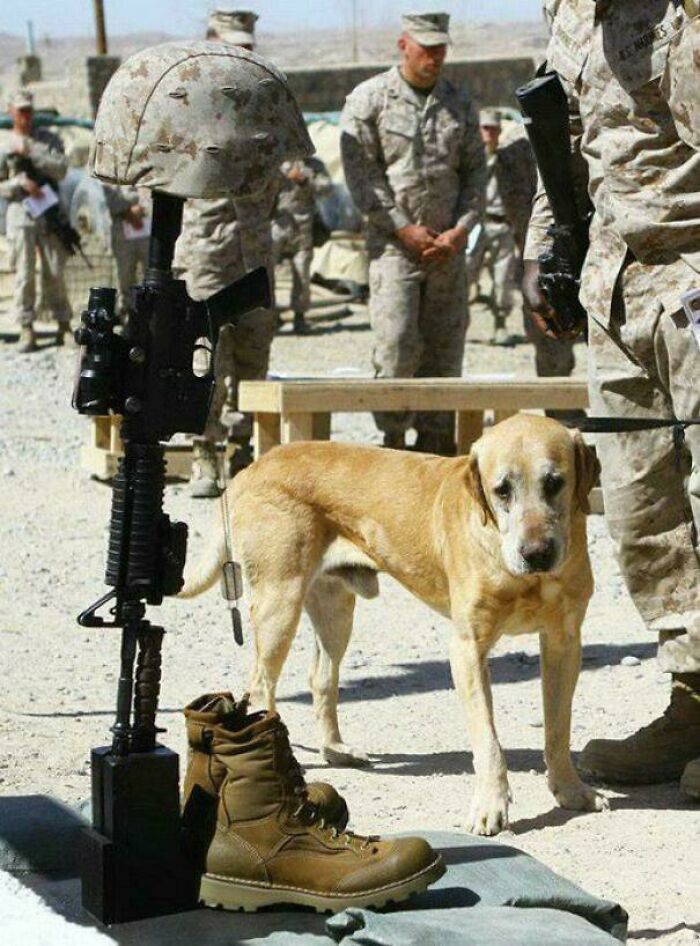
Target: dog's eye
<point x="552" y="484"/>
<point x="503" y="490"/>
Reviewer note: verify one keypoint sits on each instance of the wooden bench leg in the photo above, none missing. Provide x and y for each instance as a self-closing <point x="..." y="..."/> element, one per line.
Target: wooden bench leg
<point x="470" y="426"/>
<point x="101" y="432"/>
<point x="266" y="433"/>
<point x="115" y="441"/>
<point x="297" y="427"/>
<point x="498" y="416"/>
<point x="321" y="425"/>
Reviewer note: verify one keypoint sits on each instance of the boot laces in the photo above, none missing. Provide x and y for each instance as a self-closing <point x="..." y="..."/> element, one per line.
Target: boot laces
<point x="307" y="812"/>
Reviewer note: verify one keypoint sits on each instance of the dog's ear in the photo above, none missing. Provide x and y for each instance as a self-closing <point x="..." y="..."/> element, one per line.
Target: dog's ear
<point x="587" y="470"/>
<point x="476" y="487"/>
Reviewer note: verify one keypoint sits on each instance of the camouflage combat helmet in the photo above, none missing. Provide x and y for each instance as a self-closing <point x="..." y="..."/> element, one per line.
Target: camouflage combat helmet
<point x="197" y="119"/>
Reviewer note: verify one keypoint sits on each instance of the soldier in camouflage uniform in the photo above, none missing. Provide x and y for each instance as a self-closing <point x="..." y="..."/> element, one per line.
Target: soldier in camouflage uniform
<point x="221" y="241"/>
<point x="292" y="228"/>
<point x="28" y="235"/>
<point x="630" y="70"/>
<point x="127" y="206"/>
<point x="414" y="164"/>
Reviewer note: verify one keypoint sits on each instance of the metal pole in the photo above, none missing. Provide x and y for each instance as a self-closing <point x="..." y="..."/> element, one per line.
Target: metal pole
<point x="31" y="47"/>
<point x="101" y="32"/>
<point x="354" y="30"/>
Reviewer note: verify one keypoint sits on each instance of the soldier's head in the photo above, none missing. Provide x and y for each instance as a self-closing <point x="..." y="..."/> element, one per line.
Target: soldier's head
<point x="235" y="27"/>
<point x="21" y="108"/>
<point x="423" y="44"/>
<point x="490" y="124"/>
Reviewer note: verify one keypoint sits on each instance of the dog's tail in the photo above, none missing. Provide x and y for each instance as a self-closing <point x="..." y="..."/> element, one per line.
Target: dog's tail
<point x="206" y="569"/>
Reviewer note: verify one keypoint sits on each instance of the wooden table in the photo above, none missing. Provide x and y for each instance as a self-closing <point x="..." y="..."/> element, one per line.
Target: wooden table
<point x="286" y="410"/>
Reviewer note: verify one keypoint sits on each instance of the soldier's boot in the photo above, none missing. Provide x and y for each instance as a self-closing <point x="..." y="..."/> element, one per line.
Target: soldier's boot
<point x="64" y="335"/>
<point x="203" y="479"/>
<point x="441" y="442"/>
<point x="27" y="340"/>
<point x="658" y="752"/>
<point x="500" y="335"/>
<point x="241" y="457"/>
<point x="690" y="780"/>
<point x="395" y="440"/>
<point x="300" y="325"/>
<point x="205" y="774"/>
<point x="272" y="845"/>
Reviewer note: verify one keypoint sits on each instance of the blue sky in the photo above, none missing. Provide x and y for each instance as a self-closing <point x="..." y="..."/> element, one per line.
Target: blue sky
<point x="185" y="17"/>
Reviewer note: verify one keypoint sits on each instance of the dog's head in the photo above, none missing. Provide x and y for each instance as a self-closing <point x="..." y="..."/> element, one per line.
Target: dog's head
<point x="529" y="475"/>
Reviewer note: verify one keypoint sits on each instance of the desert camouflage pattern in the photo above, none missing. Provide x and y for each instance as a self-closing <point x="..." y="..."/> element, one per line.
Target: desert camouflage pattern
<point x="130" y="256"/>
<point x="411" y="159"/>
<point x="292" y="226"/>
<point x="29" y="237"/>
<point x="419" y="318"/>
<point x="197" y="119"/>
<point x="221" y="241"/>
<point x="631" y="72"/>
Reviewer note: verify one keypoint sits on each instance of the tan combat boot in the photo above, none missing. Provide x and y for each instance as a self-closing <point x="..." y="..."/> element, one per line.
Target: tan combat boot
<point x="64" y="335"/>
<point x="205" y="773"/>
<point x="26" y="342"/>
<point x="658" y="752"/>
<point x="690" y="780"/>
<point x="273" y="846"/>
<point x="203" y="479"/>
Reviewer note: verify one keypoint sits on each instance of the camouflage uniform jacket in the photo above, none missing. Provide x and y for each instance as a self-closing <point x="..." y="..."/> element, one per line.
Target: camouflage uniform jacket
<point x="299" y="199"/>
<point x="412" y="159"/>
<point x="516" y="175"/>
<point x="630" y="70"/>
<point x="46" y="154"/>
<point x="224" y="239"/>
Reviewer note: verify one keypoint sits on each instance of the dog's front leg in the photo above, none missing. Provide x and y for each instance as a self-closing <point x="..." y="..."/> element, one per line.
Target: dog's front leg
<point x="560" y="650"/>
<point x="470" y="672"/>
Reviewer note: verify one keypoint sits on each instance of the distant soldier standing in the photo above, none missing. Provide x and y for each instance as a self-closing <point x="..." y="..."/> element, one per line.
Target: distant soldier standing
<point x="511" y="187"/>
<point x="129" y="210"/>
<point x="631" y="73"/>
<point x="293" y="225"/>
<point x="414" y="164"/>
<point x="221" y="241"/>
<point x="28" y="234"/>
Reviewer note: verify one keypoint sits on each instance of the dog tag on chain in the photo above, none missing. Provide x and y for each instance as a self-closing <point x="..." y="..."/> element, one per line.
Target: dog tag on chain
<point x="231" y="591"/>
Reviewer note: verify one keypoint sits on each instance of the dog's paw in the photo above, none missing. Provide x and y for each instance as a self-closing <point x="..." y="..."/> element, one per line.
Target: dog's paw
<point x="577" y="796"/>
<point x="337" y="753"/>
<point x="489" y="813"/>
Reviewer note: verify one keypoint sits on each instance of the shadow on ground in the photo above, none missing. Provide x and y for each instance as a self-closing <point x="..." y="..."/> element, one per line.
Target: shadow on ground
<point x="426" y="676"/>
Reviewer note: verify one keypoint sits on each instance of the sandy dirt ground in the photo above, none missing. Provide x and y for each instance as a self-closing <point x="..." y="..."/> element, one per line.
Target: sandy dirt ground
<point x="397" y="700"/>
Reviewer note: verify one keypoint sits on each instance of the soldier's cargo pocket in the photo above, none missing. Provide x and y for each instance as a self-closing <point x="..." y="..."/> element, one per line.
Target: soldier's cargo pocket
<point x="680" y="82"/>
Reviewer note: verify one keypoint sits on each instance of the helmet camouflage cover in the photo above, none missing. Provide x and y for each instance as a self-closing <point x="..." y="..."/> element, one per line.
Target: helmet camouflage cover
<point x="197" y="119"/>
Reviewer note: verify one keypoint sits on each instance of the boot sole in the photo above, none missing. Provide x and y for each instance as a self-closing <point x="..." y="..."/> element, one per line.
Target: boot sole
<point x="233" y="894"/>
<point x="656" y="776"/>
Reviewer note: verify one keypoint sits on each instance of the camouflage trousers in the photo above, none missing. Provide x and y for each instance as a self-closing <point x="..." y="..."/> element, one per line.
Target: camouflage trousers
<point x="419" y="318"/>
<point x="646" y="363"/>
<point x="498" y="253"/>
<point x="25" y="244"/>
<point x="242" y="354"/>
<point x="131" y="258"/>
<point x="553" y="358"/>
<point x="296" y="245"/>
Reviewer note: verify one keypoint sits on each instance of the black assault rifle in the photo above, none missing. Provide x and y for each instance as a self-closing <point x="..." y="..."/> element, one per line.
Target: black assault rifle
<point x="132" y="858"/>
<point x="56" y="220"/>
<point x="545" y="109"/>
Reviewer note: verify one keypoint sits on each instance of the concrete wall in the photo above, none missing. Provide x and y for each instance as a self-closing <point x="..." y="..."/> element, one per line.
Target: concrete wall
<point x="491" y="81"/>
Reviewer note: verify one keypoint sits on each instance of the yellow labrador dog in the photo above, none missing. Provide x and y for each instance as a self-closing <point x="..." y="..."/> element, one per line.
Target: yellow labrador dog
<point x="495" y="540"/>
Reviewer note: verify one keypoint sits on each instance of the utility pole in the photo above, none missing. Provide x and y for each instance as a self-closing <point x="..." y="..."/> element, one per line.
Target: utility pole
<point x="354" y="31"/>
<point x="101" y="32"/>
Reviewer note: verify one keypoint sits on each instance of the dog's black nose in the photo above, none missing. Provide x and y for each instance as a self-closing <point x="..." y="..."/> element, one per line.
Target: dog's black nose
<point x="539" y="556"/>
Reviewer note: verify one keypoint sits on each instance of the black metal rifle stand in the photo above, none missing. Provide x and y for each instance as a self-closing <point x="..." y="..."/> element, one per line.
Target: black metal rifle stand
<point x="132" y="866"/>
